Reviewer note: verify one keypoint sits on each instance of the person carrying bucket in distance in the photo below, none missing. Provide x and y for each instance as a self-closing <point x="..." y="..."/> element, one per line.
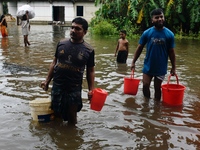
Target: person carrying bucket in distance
<point x="72" y="56"/>
<point x="25" y="28"/>
<point x="3" y="26"/>
<point x="160" y="44"/>
<point x="122" y="48"/>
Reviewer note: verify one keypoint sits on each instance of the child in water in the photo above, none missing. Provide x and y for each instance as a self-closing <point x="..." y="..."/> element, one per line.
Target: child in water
<point x="122" y="48"/>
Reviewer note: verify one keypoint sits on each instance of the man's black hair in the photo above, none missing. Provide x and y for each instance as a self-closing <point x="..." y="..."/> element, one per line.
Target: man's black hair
<point x="81" y="21"/>
<point x="156" y="11"/>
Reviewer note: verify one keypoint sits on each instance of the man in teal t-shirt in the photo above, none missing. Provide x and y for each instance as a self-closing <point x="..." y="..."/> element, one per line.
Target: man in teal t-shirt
<point x="159" y="42"/>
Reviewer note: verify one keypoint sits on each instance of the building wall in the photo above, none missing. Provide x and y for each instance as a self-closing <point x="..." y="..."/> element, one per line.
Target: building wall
<point x="89" y="10"/>
<point x="69" y="9"/>
<point x="1" y="8"/>
<point x="44" y="11"/>
<point x="12" y="8"/>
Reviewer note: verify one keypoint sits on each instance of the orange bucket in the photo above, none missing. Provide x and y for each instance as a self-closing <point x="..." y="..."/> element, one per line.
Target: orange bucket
<point x="131" y="85"/>
<point x="172" y="94"/>
<point x="98" y="99"/>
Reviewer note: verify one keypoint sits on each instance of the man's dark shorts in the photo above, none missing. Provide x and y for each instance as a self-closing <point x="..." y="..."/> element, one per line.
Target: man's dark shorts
<point x="62" y="98"/>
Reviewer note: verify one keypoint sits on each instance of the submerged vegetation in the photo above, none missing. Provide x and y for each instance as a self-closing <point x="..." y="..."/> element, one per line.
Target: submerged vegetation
<point x="182" y="16"/>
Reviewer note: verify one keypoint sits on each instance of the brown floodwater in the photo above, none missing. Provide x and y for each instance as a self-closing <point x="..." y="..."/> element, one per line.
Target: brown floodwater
<point x="125" y="122"/>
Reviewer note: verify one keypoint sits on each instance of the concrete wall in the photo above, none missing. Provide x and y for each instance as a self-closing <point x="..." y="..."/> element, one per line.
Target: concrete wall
<point x="1" y="8"/>
<point x="89" y="10"/>
<point x="44" y="12"/>
<point x="12" y="8"/>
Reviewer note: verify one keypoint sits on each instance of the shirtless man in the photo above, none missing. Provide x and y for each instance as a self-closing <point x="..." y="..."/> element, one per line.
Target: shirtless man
<point x="122" y="48"/>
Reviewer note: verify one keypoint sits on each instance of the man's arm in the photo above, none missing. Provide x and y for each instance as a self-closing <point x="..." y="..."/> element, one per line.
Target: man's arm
<point x="136" y="55"/>
<point x="90" y="75"/>
<point x="45" y="84"/>
<point x="2" y="20"/>
<point x="172" y="58"/>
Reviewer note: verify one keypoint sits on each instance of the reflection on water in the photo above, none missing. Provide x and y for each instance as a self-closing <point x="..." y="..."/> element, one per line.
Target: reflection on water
<point x="53" y="135"/>
<point x="125" y="122"/>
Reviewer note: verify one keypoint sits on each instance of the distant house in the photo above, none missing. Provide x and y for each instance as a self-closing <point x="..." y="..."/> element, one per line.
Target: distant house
<point x="49" y="11"/>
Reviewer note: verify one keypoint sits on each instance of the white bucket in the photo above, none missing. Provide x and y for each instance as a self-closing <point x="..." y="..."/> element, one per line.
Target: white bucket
<point x="40" y="109"/>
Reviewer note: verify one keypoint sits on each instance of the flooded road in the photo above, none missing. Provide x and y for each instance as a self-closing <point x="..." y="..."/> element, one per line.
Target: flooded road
<point x="125" y="122"/>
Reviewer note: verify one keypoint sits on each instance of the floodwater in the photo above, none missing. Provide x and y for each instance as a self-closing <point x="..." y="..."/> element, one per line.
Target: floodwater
<point x="126" y="122"/>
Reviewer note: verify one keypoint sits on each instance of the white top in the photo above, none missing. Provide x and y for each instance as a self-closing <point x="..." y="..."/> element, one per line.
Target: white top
<point x="25" y="27"/>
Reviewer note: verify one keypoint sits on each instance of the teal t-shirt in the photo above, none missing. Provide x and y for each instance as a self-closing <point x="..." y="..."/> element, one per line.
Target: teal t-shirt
<point x="158" y="43"/>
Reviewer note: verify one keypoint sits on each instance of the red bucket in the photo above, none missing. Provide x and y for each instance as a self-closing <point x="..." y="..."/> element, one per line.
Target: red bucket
<point x="98" y="99"/>
<point x="131" y="85"/>
<point x="172" y="94"/>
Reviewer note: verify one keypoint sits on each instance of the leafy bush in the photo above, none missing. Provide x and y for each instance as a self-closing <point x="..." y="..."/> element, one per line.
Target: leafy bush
<point x="103" y="28"/>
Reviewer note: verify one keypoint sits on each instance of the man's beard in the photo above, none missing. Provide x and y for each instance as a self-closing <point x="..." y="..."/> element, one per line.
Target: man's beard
<point x="158" y="25"/>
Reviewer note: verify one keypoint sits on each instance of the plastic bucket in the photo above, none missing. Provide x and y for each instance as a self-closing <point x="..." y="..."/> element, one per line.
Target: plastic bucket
<point x="172" y="94"/>
<point x="98" y="99"/>
<point x="131" y="85"/>
<point x="40" y="110"/>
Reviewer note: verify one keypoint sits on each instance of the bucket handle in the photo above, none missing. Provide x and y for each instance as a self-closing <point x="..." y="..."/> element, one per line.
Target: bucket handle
<point x="132" y="74"/>
<point x="170" y="77"/>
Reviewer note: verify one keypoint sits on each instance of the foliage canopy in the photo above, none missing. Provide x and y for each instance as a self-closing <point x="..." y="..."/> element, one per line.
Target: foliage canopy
<point x="182" y="16"/>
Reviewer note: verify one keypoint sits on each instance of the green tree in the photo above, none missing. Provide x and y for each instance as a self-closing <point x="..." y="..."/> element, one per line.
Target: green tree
<point x="182" y="16"/>
<point x="5" y="8"/>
